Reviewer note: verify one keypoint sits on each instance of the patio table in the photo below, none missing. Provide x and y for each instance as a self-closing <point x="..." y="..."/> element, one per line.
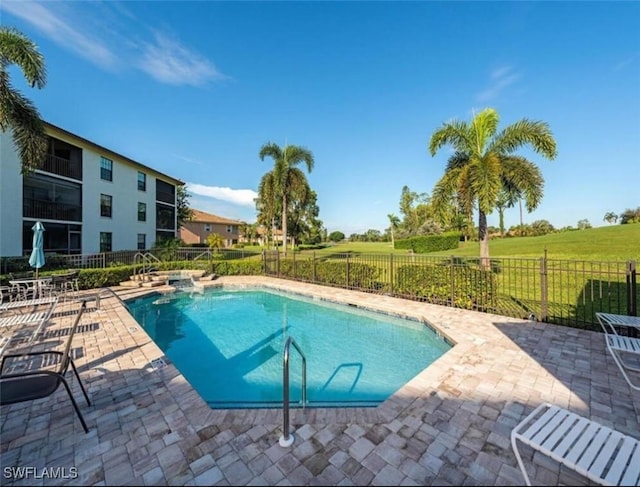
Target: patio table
<point x="31" y="286"/>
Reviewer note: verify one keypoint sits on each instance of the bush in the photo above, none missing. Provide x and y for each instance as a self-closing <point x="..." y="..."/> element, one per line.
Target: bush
<point x="429" y="243"/>
<point x="362" y="276"/>
<point x="110" y="276"/>
<point x="472" y="288"/>
<point x="238" y="268"/>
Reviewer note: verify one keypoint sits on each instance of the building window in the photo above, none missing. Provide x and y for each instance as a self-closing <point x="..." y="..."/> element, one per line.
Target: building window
<point x="105" y="241"/>
<point x="142" y="181"/>
<point x="142" y="212"/>
<point x="229" y="229"/>
<point x="105" y="205"/>
<point x="106" y="169"/>
<point x="207" y="227"/>
<point x="142" y="241"/>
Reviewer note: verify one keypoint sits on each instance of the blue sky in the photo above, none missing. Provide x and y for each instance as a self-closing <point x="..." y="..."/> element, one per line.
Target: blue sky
<point x="194" y="89"/>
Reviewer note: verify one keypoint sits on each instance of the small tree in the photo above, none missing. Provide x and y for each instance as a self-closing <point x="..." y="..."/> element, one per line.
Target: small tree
<point x="215" y="243"/>
<point x="583" y="224"/>
<point x="336" y="236"/>
<point x="610" y="217"/>
<point x="183" y="212"/>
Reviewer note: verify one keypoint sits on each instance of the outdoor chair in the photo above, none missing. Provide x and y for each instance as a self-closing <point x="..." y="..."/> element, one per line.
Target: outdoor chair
<point x="37" y="384"/>
<point x="625" y="350"/>
<point x="603" y="455"/>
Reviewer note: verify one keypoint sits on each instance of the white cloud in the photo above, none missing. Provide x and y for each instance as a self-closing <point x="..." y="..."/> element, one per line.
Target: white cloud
<point x="102" y="34"/>
<point x="62" y="33"/>
<point x="168" y="61"/>
<point x="244" y="197"/>
<point x="501" y="78"/>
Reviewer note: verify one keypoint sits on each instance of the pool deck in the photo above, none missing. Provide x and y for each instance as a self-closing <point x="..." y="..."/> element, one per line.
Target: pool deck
<point x="450" y="425"/>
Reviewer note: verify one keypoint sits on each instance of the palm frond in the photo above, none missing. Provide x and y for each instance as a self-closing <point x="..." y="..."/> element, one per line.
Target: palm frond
<point x="457" y="161"/>
<point x="526" y="132"/>
<point x="485" y="181"/>
<point x="295" y="155"/>
<point x="483" y="127"/>
<point x="526" y="178"/>
<point x="16" y="48"/>
<point x="455" y="133"/>
<point x="270" y="149"/>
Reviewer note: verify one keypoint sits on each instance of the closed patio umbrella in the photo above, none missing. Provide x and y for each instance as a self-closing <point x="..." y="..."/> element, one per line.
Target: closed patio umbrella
<point x="37" y="254"/>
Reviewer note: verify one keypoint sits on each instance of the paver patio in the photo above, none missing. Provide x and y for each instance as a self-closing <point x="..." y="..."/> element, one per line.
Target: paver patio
<point x="450" y="425"/>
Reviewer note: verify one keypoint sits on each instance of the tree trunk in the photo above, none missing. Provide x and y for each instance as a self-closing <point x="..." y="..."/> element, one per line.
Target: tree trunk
<point x="501" y="215"/>
<point x="483" y="235"/>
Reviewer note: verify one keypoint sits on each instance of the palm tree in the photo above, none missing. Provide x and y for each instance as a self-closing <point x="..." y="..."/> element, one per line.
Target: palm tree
<point x="267" y="203"/>
<point x="286" y="175"/>
<point x="484" y="164"/>
<point x="16" y="111"/>
<point x="610" y="217"/>
<point x="394" y="222"/>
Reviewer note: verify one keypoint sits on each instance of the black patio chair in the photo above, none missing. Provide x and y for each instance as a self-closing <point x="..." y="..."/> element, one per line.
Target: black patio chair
<point x="36" y="384"/>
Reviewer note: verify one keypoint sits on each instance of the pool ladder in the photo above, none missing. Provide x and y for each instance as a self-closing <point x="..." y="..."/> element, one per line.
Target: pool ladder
<point x="286" y="440"/>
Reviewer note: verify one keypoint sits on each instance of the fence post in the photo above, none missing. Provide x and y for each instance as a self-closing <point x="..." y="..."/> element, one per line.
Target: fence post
<point x="391" y="273"/>
<point x="313" y="273"/>
<point x="632" y="289"/>
<point x="453" y="281"/>
<point x="544" y="289"/>
<point x="295" y="276"/>
<point x="347" y="283"/>
<point x="264" y="262"/>
<point x="278" y="262"/>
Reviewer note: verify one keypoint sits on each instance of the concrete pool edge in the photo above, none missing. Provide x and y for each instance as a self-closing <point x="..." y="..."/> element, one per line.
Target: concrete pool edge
<point x="422" y="383"/>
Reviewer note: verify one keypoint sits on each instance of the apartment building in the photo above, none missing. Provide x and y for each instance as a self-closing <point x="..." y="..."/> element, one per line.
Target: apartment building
<point x="89" y="198"/>
<point x="202" y="224"/>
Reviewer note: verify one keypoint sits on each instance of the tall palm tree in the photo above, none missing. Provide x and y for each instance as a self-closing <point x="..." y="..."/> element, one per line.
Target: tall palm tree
<point x="484" y="164"/>
<point x="17" y="112"/>
<point x="267" y="203"/>
<point x="286" y="175"/>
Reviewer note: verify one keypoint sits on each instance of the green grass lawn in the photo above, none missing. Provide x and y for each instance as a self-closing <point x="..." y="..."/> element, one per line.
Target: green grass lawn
<point x="616" y="242"/>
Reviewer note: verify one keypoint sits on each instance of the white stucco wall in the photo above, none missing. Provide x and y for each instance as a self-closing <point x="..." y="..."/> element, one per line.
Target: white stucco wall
<point x="123" y="225"/>
<point x="10" y="198"/>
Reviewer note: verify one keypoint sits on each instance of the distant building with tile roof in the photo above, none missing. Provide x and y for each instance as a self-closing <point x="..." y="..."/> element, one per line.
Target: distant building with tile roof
<point x="202" y="224"/>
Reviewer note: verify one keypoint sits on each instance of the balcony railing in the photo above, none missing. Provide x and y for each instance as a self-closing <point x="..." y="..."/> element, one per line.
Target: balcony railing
<point x="51" y="211"/>
<point x="62" y="167"/>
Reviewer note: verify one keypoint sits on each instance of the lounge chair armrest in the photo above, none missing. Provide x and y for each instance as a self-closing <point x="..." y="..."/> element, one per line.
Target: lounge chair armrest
<point x="29" y="373"/>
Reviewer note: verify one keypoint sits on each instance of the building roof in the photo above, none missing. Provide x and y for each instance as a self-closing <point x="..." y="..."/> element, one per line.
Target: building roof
<point x="203" y="217"/>
<point x="104" y="150"/>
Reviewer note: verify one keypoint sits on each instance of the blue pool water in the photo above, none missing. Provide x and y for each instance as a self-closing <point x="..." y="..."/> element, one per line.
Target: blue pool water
<point x="229" y="344"/>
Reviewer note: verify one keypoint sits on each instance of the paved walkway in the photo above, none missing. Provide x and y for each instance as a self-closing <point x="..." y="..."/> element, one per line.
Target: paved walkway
<point x="449" y="426"/>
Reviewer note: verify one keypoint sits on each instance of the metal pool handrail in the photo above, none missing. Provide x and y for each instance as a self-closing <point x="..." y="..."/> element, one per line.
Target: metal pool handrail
<point x="286" y="439"/>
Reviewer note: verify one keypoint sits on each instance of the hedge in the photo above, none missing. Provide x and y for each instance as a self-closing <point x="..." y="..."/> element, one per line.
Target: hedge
<point x="361" y="276"/>
<point x="424" y="244"/>
<point x="472" y="288"/>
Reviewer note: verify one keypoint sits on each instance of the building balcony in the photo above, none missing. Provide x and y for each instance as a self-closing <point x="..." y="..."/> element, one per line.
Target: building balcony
<point x="62" y="167"/>
<point x="51" y="211"/>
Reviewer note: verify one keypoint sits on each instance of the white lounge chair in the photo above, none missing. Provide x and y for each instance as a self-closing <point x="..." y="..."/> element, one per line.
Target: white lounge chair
<point x="620" y="346"/>
<point x="603" y="455"/>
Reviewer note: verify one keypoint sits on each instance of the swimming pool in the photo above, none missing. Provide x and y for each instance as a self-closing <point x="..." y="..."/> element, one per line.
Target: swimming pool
<point x="228" y="343"/>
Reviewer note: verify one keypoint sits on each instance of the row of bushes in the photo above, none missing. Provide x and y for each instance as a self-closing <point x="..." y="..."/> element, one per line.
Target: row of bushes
<point x="424" y="244"/>
<point x="356" y="275"/>
<point x="463" y="287"/>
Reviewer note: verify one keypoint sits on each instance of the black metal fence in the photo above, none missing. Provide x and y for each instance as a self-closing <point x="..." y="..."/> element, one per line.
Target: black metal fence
<point x="566" y="292"/>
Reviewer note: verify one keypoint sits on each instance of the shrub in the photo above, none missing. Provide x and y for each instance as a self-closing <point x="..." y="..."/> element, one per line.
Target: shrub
<point x="429" y="243"/>
<point x="361" y="276"/>
<point x="472" y="288"/>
